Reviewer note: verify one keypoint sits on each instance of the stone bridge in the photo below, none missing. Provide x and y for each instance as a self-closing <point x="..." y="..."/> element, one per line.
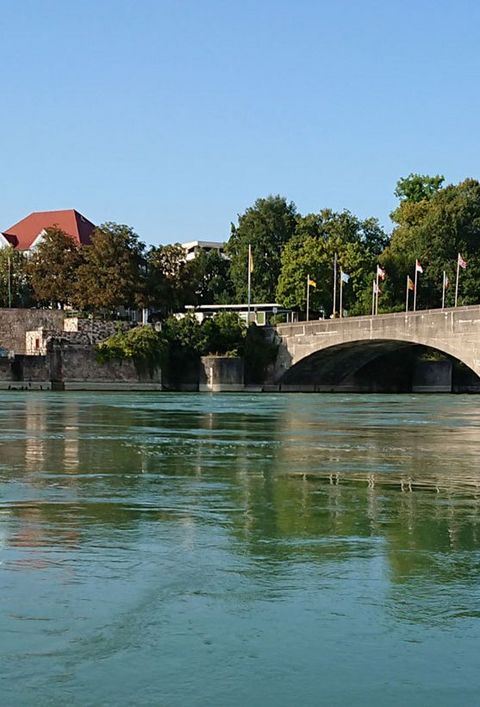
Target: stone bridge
<point x="327" y="354"/>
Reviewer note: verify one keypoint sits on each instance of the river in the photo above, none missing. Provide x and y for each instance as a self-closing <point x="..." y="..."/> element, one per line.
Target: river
<point x="239" y="550"/>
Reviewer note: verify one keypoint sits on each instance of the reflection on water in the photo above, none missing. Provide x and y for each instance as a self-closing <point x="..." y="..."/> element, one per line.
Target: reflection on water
<point x="277" y="545"/>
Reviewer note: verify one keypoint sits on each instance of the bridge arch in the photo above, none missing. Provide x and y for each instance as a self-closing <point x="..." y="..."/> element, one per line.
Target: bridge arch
<point x="328" y="353"/>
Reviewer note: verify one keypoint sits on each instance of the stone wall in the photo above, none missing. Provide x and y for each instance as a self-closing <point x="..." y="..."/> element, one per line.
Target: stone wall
<point x="221" y="374"/>
<point x="6" y="372"/>
<point x="78" y="363"/>
<point x="93" y="330"/>
<point x="32" y="369"/>
<point x="14" y="324"/>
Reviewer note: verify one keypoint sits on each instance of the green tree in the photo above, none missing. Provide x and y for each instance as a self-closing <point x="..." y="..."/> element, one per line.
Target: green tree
<point x="417" y="187"/>
<point x="224" y="334"/>
<point x="113" y="270"/>
<point x="267" y="226"/>
<point x="208" y="278"/>
<point x="434" y="231"/>
<point x="185" y="342"/>
<point x="311" y="253"/>
<point x="15" y="289"/>
<point x="52" y="269"/>
<point x="169" y="284"/>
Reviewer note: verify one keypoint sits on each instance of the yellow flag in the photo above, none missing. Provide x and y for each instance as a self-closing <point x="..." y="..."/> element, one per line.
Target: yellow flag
<point x="250" y="259"/>
<point x="410" y="284"/>
<point x="312" y="283"/>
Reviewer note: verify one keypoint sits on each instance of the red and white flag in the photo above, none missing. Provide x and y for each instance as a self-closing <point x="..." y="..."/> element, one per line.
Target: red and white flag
<point x="418" y="267"/>
<point x="381" y="273"/>
<point x="462" y="263"/>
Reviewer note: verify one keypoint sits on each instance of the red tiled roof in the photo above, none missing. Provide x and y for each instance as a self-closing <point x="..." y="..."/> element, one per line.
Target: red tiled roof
<point x="22" y="234"/>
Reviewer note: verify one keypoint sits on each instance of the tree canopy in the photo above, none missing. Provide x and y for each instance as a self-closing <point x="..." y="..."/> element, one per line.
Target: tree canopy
<point x="53" y="267"/>
<point x="311" y="253"/>
<point x="112" y="272"/>
<point x="433" y="222"/>
<point x="434" y="231"/>
<point x="267" y="226"/>
<point x="417" y="187"/>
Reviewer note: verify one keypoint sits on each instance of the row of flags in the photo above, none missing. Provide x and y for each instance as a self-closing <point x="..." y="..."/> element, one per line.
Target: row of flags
<point x="380" y="275"/>
<point x="412" y="285"/>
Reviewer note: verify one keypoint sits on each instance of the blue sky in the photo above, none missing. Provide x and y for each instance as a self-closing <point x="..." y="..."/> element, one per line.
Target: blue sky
<point x="174" y="116"/>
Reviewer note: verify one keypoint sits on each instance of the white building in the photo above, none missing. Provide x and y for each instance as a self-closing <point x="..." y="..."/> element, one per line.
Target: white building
<point x="193" y="248"/>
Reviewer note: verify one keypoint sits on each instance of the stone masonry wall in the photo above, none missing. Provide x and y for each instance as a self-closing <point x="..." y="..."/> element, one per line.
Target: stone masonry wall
<point x="6" y="372"/>
<point x="14" y="323"/>
<point x="92" y="330"/>
<point x="78" y="363"/>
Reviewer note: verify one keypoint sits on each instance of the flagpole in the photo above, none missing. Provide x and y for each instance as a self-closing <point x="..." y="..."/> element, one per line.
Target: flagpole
<point x="335" y="286"/>
<point x="373" y="297"/>
<point x="9" y="281"/>
<point x="456" y="283"/>
<point x="376" y="293"/>
<point x="341" y="292"/>
<point x="249" y="283"/>
<point x="415" y="290"/>
<point x="443" y="290"/>
<point x="308" y="298"/>
<point x="406" y="297"/>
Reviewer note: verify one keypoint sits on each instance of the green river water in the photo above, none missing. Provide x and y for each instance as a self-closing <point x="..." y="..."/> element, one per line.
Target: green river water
<point x="237" y="550"/>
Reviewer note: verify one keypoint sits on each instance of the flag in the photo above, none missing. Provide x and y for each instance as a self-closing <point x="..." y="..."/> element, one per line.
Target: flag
<point x="462" y="263"/>
<point x="345" y="277"/>
<point x="250" y="259"/>
<point x="376" y="289"/>
<point x="311" y="283"/>
<point x="418" y="267"/>
<point x="381" y="273"/>
<point x="410" y="284"/>
<point x="447" y="281"/>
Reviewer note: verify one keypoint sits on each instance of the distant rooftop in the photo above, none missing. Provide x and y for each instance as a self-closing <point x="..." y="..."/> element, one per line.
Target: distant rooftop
<point x="24" y="234"/>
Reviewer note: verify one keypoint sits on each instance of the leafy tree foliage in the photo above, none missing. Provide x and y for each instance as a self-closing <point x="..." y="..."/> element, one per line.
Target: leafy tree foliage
<point x="141" y="344"/>
<point x="15" y="289"/>
<point x="417" y="187"/>
<point x="112" y="273"/>
<point x="52" y="268"/>
<point x="209" y="279"/>
<point x="311" y="252"/>
<point x="267" y="226"/>
<point x="434" y="231"/>
<point x="167" y="284"/>
<point x="224" y="334"/>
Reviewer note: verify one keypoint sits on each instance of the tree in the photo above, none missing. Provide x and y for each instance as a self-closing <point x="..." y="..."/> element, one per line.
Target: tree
<point x="224" y="334"/>
<point x="434" y="231"/>
<point x="112" y="273"/>
<point x="311" y="253"/>
<point x="52" y="269"/>
<point x="208" y="276"/>
<point x="417" y="187"/>
<point x="15" y="289"/>
<point x="267" y="226"/>
<point x="167" y="287"/>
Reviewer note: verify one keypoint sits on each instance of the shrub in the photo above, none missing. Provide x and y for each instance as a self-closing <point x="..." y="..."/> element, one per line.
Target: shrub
<point x="142" y="344"/>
